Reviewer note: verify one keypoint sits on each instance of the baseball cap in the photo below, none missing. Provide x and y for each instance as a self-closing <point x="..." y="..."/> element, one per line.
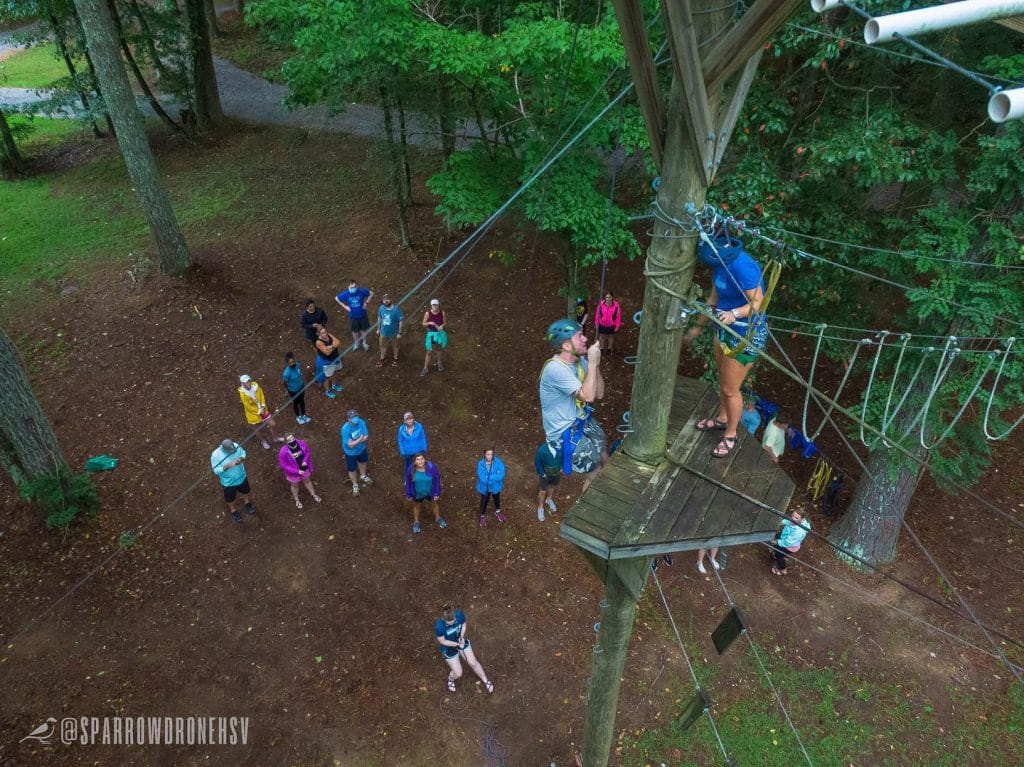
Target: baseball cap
<point x="435" y="302"/>
<point x="352" y="413"/>
<point x="244" y="379"/>
<point x="228" y="446"/>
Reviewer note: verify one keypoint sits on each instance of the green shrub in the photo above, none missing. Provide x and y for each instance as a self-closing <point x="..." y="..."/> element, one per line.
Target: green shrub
<point x="62" y="496"/>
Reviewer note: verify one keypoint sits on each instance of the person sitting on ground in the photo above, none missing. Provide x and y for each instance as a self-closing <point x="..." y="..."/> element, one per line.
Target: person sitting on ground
<point x="794" y="529"/>
<point x="297" y="465"/>
<point x="450" y="630"/>
<point x="437" y="335"/>
<point x="254" y="405"/>
<point x="775" y="433"/>
<point x="354" y="302"/>
<point x="750" y="418"/>
<point x="311" y="318"/>
<point x="328" y="361"/>
<point x="412" y="439"/>
<point x="608" y="319"/>
<point x="354" y="436"/>
<point x="295" y="384"/>
<point x="423" y="482"/>
<point x="389" y="329"/>
<point x="490" y="479"/>
<point x="228" y="464"/>
<point x="569" y="382"/>
<point x="736" y="294"/>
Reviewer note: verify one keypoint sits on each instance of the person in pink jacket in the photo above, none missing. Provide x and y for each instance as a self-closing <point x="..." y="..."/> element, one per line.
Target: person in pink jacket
<point x="609" y="319"/>
<point x="297" y="466"/>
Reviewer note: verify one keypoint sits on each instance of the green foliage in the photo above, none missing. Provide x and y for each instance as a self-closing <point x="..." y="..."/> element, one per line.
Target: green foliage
<point x="35" y="67"/>
<point x="62" y="496"/>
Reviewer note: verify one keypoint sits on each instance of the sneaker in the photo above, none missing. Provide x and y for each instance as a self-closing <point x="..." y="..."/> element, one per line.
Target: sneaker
<point x="236" y="517"/>
<point x="355" y="488"/>
<point x="423" y="372"/>
<point x="483" y="520"/>
<point x="250" y="509"/>
<point x="550" y="503"/>
<point x="298" y="420"/>
<point x="337" y="387"/>
<point x="331" y="394"/>
<point x="365" y="479"/>
<point x="701" y="569"/>
<point x="440" y="366"/>
<point x="667" y="560"/>
<point x="306" y="419"/>
<point x="441" y="523"/>
<point x="355" y="346"/>
<point x="366" y="346"/>
<point x="654" y="565"/>
<point x="264" y="444"/>
<point x="416" y="527"/>
<point x="714" y="563"/>
<point x="540" y="514"/>
<point x="499" y="516"/>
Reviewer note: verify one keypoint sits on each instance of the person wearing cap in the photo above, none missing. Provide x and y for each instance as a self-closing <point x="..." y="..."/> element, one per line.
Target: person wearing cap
<point x="354" y="436"/>
<point x="354" y="301"/>
<point x="254" y="405"/>
<point x="389" y="329"/>
<point x="412" y="439"/>
<point x="569" y="382"/>
<point x="227" y="463"/>
<point x="297" y="465"/>
<point x="437" y="336"/>
<point x="328" y="361"/>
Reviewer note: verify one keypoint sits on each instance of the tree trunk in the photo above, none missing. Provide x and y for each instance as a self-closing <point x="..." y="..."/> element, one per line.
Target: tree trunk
<point x="139" y="77"/>
<point x="404" y="148"/>
<point x="871" y="525"/>
<point x="9" y="153"/>
<point x="211" y="18"/>
<point x="445" y="118"/>
<point x="146" y="32"/>
<point x="62" y="45"/>
<point x="131" y="136"/>
<point x="397" y="173"/>
<point x="92" y="73"/>
<point x="209" y="114"/>
<point x="240" y="4"/>
<point x="478" y="116"/>
<point x="28" y="446"/>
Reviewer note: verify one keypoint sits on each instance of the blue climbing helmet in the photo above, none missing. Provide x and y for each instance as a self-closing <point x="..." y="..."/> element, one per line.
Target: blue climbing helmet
<point x="562" y="330"/>
<point x="729" y="249"/>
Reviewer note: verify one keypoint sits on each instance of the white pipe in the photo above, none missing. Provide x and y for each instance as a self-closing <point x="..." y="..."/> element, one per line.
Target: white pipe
<point x="1006" y="105"/>
<point x="820" y="6"/>
<point x="912" y="23"/>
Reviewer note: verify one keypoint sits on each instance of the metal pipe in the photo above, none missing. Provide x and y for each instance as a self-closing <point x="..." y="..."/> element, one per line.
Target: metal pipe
<point x="1006" y="105"/>
<point x="883" y="29"/>
<point x="820" y="6"/>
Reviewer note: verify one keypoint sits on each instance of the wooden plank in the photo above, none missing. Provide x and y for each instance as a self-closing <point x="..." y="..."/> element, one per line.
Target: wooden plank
<point x="615" y="490"/>
<point x="688" y="522"/>
<point x="678" y="502"/>
<point x="604" y="512"/>
<point x="641" y="66"/>
<point x="632" y="482"/>
<point x="688" y="68"/>
<point x="676" y="546"/>
<point x="732" y="112"/>
<point x="648" y="504"/>
<point x="748" y="36"/>
<point x="583" y="538"/>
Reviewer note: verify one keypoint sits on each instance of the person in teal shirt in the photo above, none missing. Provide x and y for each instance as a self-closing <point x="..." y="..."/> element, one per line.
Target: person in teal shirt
<point x="423" y="482"/>
<point x="354" y="436"/>
<point x="794" y="529"/>
<point x="227" y="463"/>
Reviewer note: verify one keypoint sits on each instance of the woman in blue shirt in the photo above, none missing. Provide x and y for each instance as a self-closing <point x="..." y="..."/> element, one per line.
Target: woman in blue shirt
<point x="737" y="291"/>
<point x="794" y="530"/>
<point x="450" y="630"/>
<point x="490" y="479"/>
<point x="423" y="483"/>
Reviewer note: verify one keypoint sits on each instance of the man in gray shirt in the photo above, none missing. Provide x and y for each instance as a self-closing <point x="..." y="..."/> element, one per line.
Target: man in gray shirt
<point x="569" y="382"/>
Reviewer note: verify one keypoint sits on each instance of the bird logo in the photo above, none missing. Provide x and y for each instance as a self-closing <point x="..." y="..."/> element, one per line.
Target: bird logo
<point x="43" y="732"/>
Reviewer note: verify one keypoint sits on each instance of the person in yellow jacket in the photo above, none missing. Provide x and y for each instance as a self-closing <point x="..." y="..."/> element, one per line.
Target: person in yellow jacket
<point x="254" y="404"/>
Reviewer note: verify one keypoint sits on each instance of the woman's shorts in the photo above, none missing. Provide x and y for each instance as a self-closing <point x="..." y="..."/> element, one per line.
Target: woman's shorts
<point x="422" y="499"/>
<point x="331" y="367"/>
<point x="454" y="651"/>
<point x="352" y="461"/>
<point x="751" y="349"/>
<point x="232" y="491"/>
<point x="606" y="330"/>
<point x="359" y="324"/>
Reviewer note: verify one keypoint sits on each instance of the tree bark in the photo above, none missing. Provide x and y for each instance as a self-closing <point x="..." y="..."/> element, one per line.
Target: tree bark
<point x="9" y="153"/>
<point x="131" y="136"/>
<point x="62" y="45"/>
<point x="397" y="174"/>
<point x="28" y="446"/>
<point x="146" y="32"/>
<point x="139" y="77"/>
<point x="92" y="74"/>
<point x="445" y="118"/>
<point x="211" y="18"/>
<point x="209" y="114"/>
<point x="404" y="148"/>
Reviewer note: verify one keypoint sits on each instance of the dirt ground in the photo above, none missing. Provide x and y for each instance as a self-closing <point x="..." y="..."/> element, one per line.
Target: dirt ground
<point x="317" y="624"/>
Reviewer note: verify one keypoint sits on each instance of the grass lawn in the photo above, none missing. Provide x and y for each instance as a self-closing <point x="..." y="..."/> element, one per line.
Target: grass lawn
<point x="35" y="133"/>
<point x="35" y="67"/>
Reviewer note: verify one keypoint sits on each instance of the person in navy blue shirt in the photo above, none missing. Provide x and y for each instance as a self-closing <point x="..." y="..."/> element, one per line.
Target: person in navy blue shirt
<point x="354" y="301"/>
<point x="737" y="292"/>
<point x="450" y="630"/>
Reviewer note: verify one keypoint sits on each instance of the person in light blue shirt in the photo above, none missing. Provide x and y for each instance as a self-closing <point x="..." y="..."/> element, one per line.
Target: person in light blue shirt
<point x="750" y="418"/>
<point x="412" y="439"/>
<point x="794" y="529"/>
<point x="389" y="329"/>
<point x="227" y="462"/>
<point x="354" y="436"/>
<point x="296" y="386"/>
<point x="490" y="479"/>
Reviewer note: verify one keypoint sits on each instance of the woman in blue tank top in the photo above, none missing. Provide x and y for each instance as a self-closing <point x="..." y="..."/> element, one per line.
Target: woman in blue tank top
<point x="450" y="630"/>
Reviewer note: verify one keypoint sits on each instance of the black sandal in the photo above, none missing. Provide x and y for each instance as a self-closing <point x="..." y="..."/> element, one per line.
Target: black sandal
<point x="724" y="447"/>
<point x="711" y="424"/>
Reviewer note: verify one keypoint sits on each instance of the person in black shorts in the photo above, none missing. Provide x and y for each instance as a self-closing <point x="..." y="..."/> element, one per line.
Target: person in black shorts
<point x="549" y="473"/>
<point x="227" y="462"/>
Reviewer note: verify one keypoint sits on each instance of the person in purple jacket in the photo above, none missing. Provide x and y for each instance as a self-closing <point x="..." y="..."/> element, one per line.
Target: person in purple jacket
<point x="422" y="483"/>
<point x="297" y="465"/>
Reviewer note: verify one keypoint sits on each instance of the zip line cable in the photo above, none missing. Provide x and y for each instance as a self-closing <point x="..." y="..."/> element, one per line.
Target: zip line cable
<point x="906" y="526"/>
<point x="689" y="665"/>
<point x="871" y="599"/>
<point x="764" y="671"/>
<point x="466" y="245"/>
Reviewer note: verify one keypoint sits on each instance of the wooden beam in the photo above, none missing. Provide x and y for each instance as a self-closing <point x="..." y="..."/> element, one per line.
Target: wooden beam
<point x="1016" y="23"/>
<point x="742" y="41"/>
<point x="686" y="59"/>
<point x="732" y="112"/>
<point x="645" y="79"/>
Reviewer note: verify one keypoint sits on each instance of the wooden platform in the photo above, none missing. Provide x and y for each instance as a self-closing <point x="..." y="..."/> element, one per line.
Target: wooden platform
<point x="691" y="500"/>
